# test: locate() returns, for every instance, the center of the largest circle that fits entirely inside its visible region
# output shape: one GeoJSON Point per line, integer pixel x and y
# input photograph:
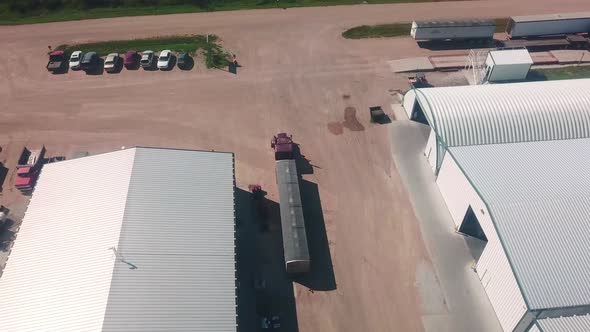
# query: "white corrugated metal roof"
{"type": "Point", "coordinates": [168, 212]}
{"type": "Point", "coordinates": [564, 324]}
{"type": "Point", "coordinates": [550, 17]}
{"type": "Point", "coordinates": [534, 328]}
{"type": "Point", "coordinates": [511, 57]}
{"type": "Point", "coordinates": [538, 194]}
{"type": "Point", "coordinates": [507, 113]}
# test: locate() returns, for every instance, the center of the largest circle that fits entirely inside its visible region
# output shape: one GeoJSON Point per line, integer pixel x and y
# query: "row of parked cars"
{"type": "Point", "coordinates": [114, 62]}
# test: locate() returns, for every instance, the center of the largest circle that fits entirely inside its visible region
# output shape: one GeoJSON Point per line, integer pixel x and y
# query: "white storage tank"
{"type": "Point", "coordinates": [507, 65]}
{"type": "Point", "coordinates": [453, 29]}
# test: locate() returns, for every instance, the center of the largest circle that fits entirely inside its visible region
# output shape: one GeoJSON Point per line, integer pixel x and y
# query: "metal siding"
{"type": "Point", "coordinates": [511, 57]}
{"type": "Point", "coordinates": [453, 32]}
{"type": "Point", "coordinates": [430, 149]}
{"type": "Point", "coordinates": [493, 268]}
{"type": "Point", "coordinates": [549, 17]}
{"type": "Point", "coordinates": [509, 113]}
{"type": "Point", "coordinates": [178, 230]}
{"type": "Point", "coordinates": [565, 324]}
{"type": "Point", "coordinates": [534, 328]}
{"type": "Point", "coordinates": [552, 24]}
{"type": "Point", "coordinates": [59, 271]}
{"type": "Point", "coordinates": [509, 72]}
{"type": "Point", "coordinates": [453, 188]}
{"type": "Point", "coordinates": [292, 223]}
{"type": "Point", "coordinates": [539, 196]}
{"type": "Point", "coordinates": [409, 102]}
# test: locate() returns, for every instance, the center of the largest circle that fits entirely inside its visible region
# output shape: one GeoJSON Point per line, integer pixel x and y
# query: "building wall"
{"type": "Point", "coordinates": [512, 72]}
{"type": "Point", "coordinates": [430, 149]}
{"type": "Point", "coordinates": [493, 268]}
{"type": "Point", "coordinates": [408, 102]}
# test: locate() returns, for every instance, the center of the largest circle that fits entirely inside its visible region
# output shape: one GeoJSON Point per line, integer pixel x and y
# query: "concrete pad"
{"type": "Point", "coordinates": [410, 64]}
{"type": "Point", "coordinates": [543, 58]}
{"type": "Point", "coordinates": [571, 56]}
{"type": "Point", "coordinates": [457, 61]}
{"type": "Point", "coordinates": [452, 297]}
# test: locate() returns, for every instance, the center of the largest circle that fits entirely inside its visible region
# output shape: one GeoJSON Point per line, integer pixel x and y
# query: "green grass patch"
{"type": "Point", "coordinates": [215, 56]}
{"type": "Point", "coordinates": [65, 13]}
{"type": "Point", "coordinates": [396, 30]}
{"type": "Point", "coordinates": [562, 73]}
{"type": "Point", "coordinates": [188, 44]}
{"type": "Point", "coordinates": [378, 31]}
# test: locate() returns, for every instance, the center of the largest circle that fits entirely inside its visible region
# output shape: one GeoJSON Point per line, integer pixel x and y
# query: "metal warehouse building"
{"type": "Point", "coordinates": [512, 166]}
{"type": "Point", "coordinates": [134, 240]}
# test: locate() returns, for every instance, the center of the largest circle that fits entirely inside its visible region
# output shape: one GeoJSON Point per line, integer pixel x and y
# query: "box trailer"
{"type": "Point", "coordinates": [546, 25]}
{"type": "Point", "coordinates": [453, 30]}
{"type": "Point", "coordinates": [292, 223]}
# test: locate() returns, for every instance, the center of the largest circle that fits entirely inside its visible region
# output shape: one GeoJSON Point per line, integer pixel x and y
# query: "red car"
{"type": "Point", "coordinates": [132, 60]}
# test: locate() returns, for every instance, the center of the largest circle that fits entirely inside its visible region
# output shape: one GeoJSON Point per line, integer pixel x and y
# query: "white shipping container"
{"type": "Point", "coordinates": [544, 25]}
{"type": "Point", "coordinates": [508, 65]}
{"type": "Point", "coordinates": [441, 30]}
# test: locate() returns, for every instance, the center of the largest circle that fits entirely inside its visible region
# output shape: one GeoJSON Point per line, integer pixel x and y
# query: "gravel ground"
{"type": "Point", "coordinates": [297, 75]}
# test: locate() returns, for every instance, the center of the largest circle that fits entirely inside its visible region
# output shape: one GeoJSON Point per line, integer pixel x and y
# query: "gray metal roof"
{"type": "Point", "coordinates": [538, 194]}
{"type": "Point", "coordinates": [169, 213]}
{"type": "Point", "coordinates": [178, 229]}
{"type": "Point", "coordinates": [551, 17]}
{"type": "Point", "coordinates": [508, 113]}
{"type": "Point", "coordinates": [454, 23]}
{"type": "Point", "coordinates": [292, 222]}
{"type": "Point", "coordinates": [564, 324]}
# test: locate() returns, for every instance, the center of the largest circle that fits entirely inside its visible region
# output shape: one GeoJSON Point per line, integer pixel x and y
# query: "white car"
{"type": "Point", "coordinates": [147, 59]}
{"type": "Point", "coordinates": [111, 62]}
{"type": "Point", "coordinates": [75, 60]}
{"type": "Point", "coordinates": [164, 59]}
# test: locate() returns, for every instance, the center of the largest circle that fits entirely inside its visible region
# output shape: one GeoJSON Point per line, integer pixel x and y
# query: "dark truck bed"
{"type": "Point", "coordinates": [57, 61]}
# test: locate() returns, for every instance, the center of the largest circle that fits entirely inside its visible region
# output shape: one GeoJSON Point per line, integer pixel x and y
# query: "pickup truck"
{"type": "Point", "coordinates": [57, 62]}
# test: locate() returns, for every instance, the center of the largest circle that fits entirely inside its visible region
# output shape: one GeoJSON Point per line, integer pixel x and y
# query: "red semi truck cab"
{"type": "Point", "coordinates": [28, 168]}
{"type": "Point", "coordinates": [283, 145]}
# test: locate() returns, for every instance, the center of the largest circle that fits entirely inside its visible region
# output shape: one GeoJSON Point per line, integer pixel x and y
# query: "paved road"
{"type": "Point", "coordinates": [298, 75]}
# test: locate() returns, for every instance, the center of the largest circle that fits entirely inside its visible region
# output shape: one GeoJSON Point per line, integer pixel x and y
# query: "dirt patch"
{"type": "Point", "coordinates": [345, 96]}
{"type": "Point", "coordinates": [350, 120]}
{"type": "Point", "coordinates": [336, 128]}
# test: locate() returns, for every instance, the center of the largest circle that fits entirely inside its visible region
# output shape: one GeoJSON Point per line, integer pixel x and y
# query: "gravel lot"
{"type": "Point", "coordinates": [299, 76]}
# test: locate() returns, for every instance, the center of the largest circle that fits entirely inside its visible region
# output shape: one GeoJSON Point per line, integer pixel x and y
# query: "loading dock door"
{"type": "Point", "coordinates": [470, 226]}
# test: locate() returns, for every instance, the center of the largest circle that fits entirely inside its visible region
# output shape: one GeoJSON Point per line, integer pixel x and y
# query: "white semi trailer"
{"type": "Point", "coordinates": [453, 30]}
{"type": "Point", "coordinates": [545, 25]}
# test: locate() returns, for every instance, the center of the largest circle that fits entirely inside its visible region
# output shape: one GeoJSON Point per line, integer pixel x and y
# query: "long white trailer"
{"type": "Point", "coordinates": [545, 25]}
{"type": "Point", "coordinates": [453, 29]}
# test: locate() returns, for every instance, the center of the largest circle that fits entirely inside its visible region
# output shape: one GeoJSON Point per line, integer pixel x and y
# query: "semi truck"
{"type": "Point", "coordinates": [28, 168]}
{"type": "Point", "coordinates": [453, 30]}
{"type": "Point", "coordinates": [548, 25]}
{"type": "Point", "coordinates": [295, 247]}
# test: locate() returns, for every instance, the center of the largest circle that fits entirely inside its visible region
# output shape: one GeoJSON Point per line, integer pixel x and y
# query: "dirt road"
{"type": "Point", "coordinates": [299, 76]}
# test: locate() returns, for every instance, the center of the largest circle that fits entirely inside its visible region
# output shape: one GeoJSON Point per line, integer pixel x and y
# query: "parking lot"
{"type": "Point", "coordinates": [300, 78]}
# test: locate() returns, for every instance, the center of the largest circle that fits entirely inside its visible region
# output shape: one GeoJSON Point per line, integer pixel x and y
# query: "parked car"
{"type": "Point", "coordinates": [57, 62]}
{"type": "Point", "coordinates": [89, 61]}
{"type": "Point", "coordinates": [164, 59]}
{"type": "Point", "coordinates": [147, 59]}
{"type": "Point", "coordinates": [132, 59]}
{"type": "Point", "coordinates": [185, 61]}
{"type": "Point", "coordinates": [112, 62]}
{"type": "Point", "coordinates": [75, 60]}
